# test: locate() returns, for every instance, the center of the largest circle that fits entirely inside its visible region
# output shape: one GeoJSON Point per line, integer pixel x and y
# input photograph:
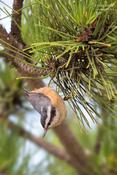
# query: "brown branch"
{"type": "Point", "coordinates": [8, 39]}
{"type": "Point", "coordinates": [68, 139]}
{"type": "Point", "coordinates": [54, 150]}
{"type": "Point", "coordinates": [16, 32]}
{"type": "Point", "coordinates": [17, 57]}
{"type": "Point", "coordinates": [3, 173]}
{"type": "Point", "coordinates": [16, 20]}
{"type": "Point", "coordinates": [76, 151]}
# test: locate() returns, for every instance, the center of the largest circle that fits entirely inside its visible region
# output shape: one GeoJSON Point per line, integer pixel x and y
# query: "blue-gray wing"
{"type": "Point", "coordinates": [39, 101]}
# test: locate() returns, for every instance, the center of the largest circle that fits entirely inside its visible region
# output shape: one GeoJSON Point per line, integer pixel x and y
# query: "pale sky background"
{"type": "Point", "coordinates": [5, 21]}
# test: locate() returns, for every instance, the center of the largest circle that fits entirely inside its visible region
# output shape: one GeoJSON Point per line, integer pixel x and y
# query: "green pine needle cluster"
{"type": "Point", "coordinates": [80, 38]}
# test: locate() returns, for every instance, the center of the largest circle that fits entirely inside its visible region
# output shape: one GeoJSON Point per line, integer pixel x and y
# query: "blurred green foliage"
{"type": "Point", "coordinates": [10, 147]}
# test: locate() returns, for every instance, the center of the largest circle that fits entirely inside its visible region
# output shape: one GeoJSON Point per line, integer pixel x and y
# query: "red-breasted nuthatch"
{"type": "Point", "coordinates": [49, 104]}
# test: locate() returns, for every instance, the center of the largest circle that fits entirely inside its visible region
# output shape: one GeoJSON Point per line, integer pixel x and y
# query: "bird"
{"type": "Point", "coordinates": [49, 104]}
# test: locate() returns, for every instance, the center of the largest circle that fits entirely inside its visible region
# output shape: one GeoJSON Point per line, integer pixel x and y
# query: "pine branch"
{"type": "Point", "coordinates": [16, 20]}
{"type": "Point", "coordinates": [16, 32]}
{"type": "Point", "coordinates": [17, 57]}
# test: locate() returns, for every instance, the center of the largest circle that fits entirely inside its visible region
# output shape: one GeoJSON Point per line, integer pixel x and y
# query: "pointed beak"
{"type": "Point", "coordinates": [45, 131]}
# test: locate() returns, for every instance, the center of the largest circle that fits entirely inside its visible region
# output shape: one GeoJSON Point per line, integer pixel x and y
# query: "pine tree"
{"type": "Point", "coordinates": [74, 43]}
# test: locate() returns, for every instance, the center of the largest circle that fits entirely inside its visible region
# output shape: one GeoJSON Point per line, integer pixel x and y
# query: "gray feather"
{"type": "Point", "coordinates": [38, 101]}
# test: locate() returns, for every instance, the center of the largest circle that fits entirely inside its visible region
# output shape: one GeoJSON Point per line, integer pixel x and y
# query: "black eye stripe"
{"type": "Point", "coordinates": [53, 111]}
{"type": "Point", "coordinates": [53, 114]}
{"type": "Point", "coordinates": [43, 116]}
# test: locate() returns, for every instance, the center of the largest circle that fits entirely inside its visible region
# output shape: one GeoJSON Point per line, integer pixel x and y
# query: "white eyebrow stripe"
{"type": "Point", "coordinates": [48, 115]}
